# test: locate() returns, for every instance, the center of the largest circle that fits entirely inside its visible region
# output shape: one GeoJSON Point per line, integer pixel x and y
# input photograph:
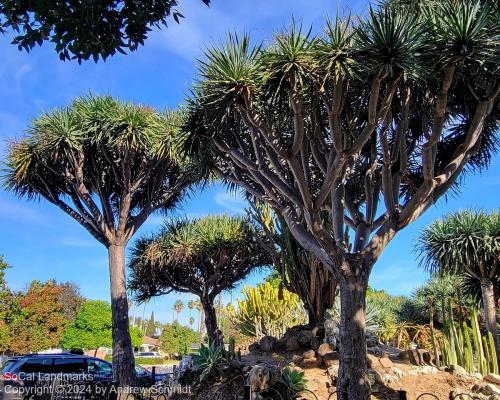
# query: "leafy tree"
{"type": "Point", "coordinates": [71, 299]}
{"type": "Point", "coordinates": [108, 165]}
{"type": "Point", "coordinates": [41, 321]}
{"type": "Point", "coordinates": [176, 339]}
{"type": "Point", "coordinates": [467, 243]}
{"type": "Point", "coordinates": [84, 29]}
{"type": "Point", "coordinates": [362, 128]}
{"type": "Point", "coordinates": [151, 327]}
{"type": "Point", "coordinates": [300, 271]}
{"type": "Point", "coordinates": [203, 257]}
{"type": "Point", "coordinates": [92, 328]}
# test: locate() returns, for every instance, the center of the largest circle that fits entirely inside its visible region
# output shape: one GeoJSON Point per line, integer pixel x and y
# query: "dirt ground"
{"type": "Point", "coordinates": [438, 383]}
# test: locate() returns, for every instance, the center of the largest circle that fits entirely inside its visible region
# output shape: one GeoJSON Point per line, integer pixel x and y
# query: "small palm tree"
{"type": "Point", "coordinates": [467, 243]}
{"type": "Point", "coordinates": [178, 307]}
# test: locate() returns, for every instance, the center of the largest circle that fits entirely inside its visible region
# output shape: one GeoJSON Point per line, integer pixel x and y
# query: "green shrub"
{"type": "Point", "coordinates": [176, 339]}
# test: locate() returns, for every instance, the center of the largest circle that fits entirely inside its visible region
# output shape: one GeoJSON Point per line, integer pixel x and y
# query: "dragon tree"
{"type": "Point", "coordinates": [202, 257]}
{"type": "Point", "coordinates": [108, 165]}
{"type": "Point", "coordinates": [363, 127]}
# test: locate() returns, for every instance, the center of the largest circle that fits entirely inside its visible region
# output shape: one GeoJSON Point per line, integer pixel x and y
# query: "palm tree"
{"type": "Point", "coordinates": [202, 257]}
{"type": "Point", "coordinates": [178, 307]}
{"type": "Point", "coordinates": [108, 165]}
{"type": "Point", "coordinates": [467, 243]}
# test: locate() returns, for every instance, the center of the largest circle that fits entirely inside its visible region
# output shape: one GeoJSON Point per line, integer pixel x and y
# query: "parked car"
{"type": "Point", "coordinates": [148, 354]}
{"type": "Point", "coordinates": [28, 370]}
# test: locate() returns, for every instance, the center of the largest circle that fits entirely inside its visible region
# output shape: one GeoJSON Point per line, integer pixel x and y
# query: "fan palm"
{"type": "Point", "coordinates": [178, 307]}
{"type": "Point", "coordinates": [203, 257]}
{"type": "Point", "coordinates": [467, 243]}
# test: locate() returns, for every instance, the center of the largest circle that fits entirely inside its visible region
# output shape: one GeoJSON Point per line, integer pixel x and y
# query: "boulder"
{"type": "Point", "coordinates": [292, 344]}
{"type": "Point", "coordinates": [309, 354]}
{"type": "Point", "coordinates": [333, 372]}
{"type": "Point", "coordinates": [254, 347]}
{"type": "Point", "coordinates": [310, 363]}
{"type": "Point", "coordinates": [492, 378]}
{"type": "Point", "coordinates": [330, 358]}
{"type": "Point", "coordinates": [488, 389]}
{"type": "Point", "coordinates": [456, 369]}
{"type": "Point", "coordinates": [386, 362]}
{"type": "Point", "coordinates": [296, 358]}
{"type": "Point", "coordinates": [304, 337]}
{"type": "Point", "coordinates": [325, 348]}
{"type": "Point", "coordinates": [372, 361]}
{"type": "Point", "coordinates": [315, 343]}
{"type": "Point", "coordinates": [267, 343]}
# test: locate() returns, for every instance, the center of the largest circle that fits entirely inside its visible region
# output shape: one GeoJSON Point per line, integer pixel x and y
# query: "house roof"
{"type": "Point", "coordinates": [149, 340]}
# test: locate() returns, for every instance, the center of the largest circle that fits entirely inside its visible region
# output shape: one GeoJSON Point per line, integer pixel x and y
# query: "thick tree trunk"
{"type": "Point", "coordinates": [211, 322]}
{"type": "Point", "coordinates": [353, 383]}
{"type": "Point", "coordinates": [490, 313]}
{"type": "Point", "coordinates": [123, 357]}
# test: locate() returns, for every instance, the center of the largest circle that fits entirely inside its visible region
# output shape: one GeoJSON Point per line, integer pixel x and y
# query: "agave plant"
{"type": "Point", "coordinates": [294, 380]}
{"type": "Point", "coordinates": [209, 360]}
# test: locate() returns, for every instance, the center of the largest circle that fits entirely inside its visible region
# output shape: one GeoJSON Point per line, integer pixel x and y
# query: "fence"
{"type": "Point", "coordinates": [235, 389]}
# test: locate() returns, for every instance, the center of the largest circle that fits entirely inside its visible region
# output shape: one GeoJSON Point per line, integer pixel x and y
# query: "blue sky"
{"type": "Point", "coordinates": [42, 243]}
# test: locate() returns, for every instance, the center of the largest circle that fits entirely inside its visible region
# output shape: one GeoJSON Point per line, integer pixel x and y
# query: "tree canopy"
{"type": "Point", "coordinates": [92, 327]}
{"type": "Point", "coordinates": [177, 339]}
{"type": "Point", "coordinates": [359, 129]}
{"type": "Point", "coordinates": [85, 29]}
{"type": "Point", "coordinates": [203, 256]}
{"type": "Point", "coordinates": [467, 243]}
{"type": "Point", "coordinates": [109, 165]}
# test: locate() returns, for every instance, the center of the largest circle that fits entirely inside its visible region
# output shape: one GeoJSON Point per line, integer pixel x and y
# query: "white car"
{"type": "Point", "coordinates": [148, 354]}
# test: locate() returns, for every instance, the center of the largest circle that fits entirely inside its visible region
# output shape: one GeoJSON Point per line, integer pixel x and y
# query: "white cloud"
{"type": "Point", "coordinates": [231, 202]}
{"type": "Point", "coordinates": [19, 212]}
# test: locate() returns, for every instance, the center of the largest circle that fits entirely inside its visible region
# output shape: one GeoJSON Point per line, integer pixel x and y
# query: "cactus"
{"type": "Point", "coordinates": [464, 345]}
{"type": "Point", "coordinates": [264, 311]}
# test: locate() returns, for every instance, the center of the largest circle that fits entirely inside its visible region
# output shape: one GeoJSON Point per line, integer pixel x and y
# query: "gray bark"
{"type": "Point", "coordinates": [489, 309]}
{"type": "Point", "coordinates": [123, 357]}
{"type": "Point", "coordinates": [353, 382]}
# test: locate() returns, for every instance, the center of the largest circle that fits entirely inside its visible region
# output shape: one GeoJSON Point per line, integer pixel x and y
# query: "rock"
{"type": "Point", "coordinates": [309, 354]}
{"type": "Point", "coordinates": [292, 344]}
{"type": "Point", "coordinates": [310, 362]}
{"type": "Point", "coordinates": [372, 361]}
{"type": "Point", "coordinates": [492, 378]}
{"type": "Point", "coordinates": [315, 331]}
{"type": "Point", "coordinates": [488, 389]}
{"type": "Point", "coordinates": [296, 358]}
{"type": "Point", "coordinates": [477, 375]}
{"type": "Point", "coordinates": [418, 357]}
{"type": "Point", "coordinates": [315, 343]}
{"type": "Point", "coordinates": [313, 386]}
{"type": "Point", "coordinates": [456, 369]}
{"type": "Point", "coordinates": [326, 348]}
{"type": "Point", "coordinates": [330, 358]}
{"type": "Point", "coordinates": [333, 372]}
{"type": "Point", "coordinates": [267, 343]}
{"type": "Point", "coordinates": [398, 372]}
{"type": "Point", "coordinates": [304, 337]}
{"type": "Point", "coordinates": [386, 362]}
{"type": "Point", "coordinates": [372, 340]}
{"type": "Point", "coordinates": [375, 376]}
{"type": "Point", "coordinates": [254, 347]}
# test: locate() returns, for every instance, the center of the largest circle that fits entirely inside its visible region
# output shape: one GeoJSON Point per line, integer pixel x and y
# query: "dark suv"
{"type": "Point", "coordinates": [29, 370]}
